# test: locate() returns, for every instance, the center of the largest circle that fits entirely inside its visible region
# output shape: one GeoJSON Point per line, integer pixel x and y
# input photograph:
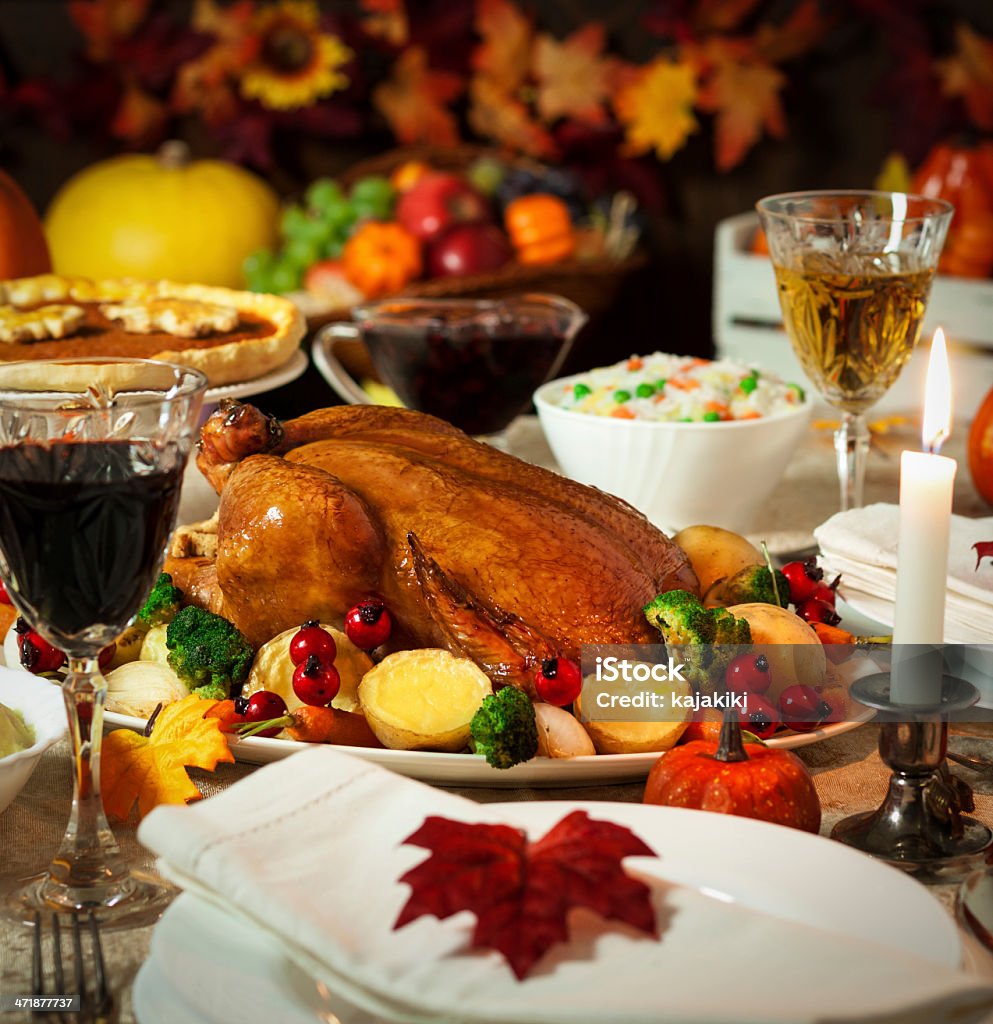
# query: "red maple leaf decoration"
{"type": "Point", "coordinates": [983, 549]}
{"type": "Point", "coordinates": [521, 892]}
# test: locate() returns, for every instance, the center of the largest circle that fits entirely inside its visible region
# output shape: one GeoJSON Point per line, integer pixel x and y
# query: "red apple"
{"type": "Point", "coordinates": [468, 249]}
{"type": "Point", "coordinates": [439, 201]}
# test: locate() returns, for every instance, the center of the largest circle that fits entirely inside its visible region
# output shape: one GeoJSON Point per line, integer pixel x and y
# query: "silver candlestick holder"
{"type": "Point", "coordinates": [921, 826]}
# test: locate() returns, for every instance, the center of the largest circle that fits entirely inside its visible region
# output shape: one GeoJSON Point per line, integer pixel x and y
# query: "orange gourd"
{"type": "Point", "coordinates": [23, 248]}
{"type": "Point", "coordinates": [380, 258]}
{"type": "Point", "coordinates": [731, 777]}
{"type": "Point", "coordinates": [540, 228]}
{"type": "Point", "coordinates": [962, 173]}
{"type": "Point", "coordinates": [981, 449]}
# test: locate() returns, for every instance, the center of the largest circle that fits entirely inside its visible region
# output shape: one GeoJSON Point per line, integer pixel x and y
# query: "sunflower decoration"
{"type": "Point", "coordinates": [295, 63]}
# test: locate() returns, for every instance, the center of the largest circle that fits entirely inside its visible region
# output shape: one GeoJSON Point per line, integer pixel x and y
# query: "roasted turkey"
{"type": "Point", "coordinates": [471, 549]}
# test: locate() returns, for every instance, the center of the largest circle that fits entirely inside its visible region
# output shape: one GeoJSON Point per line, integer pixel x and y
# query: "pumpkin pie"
{"type": "Point", "coordinates": [230, 336]}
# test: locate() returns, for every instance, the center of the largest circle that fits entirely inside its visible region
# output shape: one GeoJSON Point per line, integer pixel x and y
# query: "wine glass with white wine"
{"type": "Point", "coordinates": [854, 272]}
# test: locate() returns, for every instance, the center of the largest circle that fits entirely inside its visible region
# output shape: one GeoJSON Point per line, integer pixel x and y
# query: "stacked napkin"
{"type": "Point", "coordinates": [861, 544]}
{"type": "Point", "coordinates": [309, 850]}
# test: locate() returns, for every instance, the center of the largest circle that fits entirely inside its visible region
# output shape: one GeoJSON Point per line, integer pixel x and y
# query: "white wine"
{"type": "Point", "coordinates": [853, 333]}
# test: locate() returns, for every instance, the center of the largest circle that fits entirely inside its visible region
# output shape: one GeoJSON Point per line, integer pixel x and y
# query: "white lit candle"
{"type": "Point", "coordinates": [926, 483]}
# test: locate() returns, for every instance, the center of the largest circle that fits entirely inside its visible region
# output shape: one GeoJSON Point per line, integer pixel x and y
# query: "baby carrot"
{"type": "Point", "coordinates": [329, 725]}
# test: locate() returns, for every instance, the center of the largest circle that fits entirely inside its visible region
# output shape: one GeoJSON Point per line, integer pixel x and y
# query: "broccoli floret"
{"type": "Point", "coordinates": [212, 691]}
{"type": "Point", "coordinates": [504, 730]}
{"type": "Point", "coordinates": [708, 638]}
{"type": "Point", "coordinates": [206, 648]}
{"type": "Point", "coordinates": [754, 583]}
{"type": "Point", "coordinates": [163, 603]}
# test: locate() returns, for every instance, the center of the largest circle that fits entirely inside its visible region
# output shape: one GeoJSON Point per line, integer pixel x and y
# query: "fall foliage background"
{"type": "Point", "coordinates": [698, 107]}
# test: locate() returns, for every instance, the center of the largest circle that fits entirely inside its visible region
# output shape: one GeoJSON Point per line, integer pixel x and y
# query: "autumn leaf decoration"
{"type": "Point", "coordinates": [151, 770]}
{"type": "Point", "coordinates": [521, 892]}
{"type": "Point", "coordinates": [983, 549]}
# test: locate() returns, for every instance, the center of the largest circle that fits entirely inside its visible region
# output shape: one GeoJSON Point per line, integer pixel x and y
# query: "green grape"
{"type": "Point", "coordinates": [339, 216]}
{"type": "Point", "coordinates": [332, 249]}
{"type": "Point", "coordinates": [257, 267]}
{"type": "Point", "coordinates": [323, 193]}
{"type": "Point", "coordinates": [365, 210]}
{"type": "Point", "coordinates": [294, 222]}
{"type": "Point", "coordinates": [301, 252]}
{"type": "Point", "coordinates": [285, 277]}
{"type": "Point", "coordinates": [374, 190]}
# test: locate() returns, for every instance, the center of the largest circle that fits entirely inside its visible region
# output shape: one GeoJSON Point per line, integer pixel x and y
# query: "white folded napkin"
{"type": "Point", "coordinates": [861, 544]}
{"type": "Point", "coordinates": [308, 849]}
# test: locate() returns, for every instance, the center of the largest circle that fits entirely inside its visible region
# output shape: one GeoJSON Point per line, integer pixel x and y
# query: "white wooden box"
{"type": "Point", "coordinates": [748, 324]}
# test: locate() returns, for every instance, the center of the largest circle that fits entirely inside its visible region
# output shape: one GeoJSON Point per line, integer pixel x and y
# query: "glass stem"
{"type": "Point", "coordinates": [851, 445]}
{"type": "Point", "coordinates": [88, 869]}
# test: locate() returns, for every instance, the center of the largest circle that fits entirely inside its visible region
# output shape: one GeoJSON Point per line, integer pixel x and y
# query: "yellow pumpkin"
{"type": "Point", "coordinates": [161, 216]}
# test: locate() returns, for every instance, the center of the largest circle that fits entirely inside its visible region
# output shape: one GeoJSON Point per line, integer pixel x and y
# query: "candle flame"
{"type": "Point", "coordinates": [937, 397]}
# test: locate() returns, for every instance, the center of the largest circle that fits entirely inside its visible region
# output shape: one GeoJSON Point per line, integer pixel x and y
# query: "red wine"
{"type": "Point", "coordinates": [477, 377]}
{"type": "Point", "coordinates": [83, 528]}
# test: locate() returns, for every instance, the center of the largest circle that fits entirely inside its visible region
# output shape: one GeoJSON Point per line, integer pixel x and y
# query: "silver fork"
{"type": "Point", "coordinates": [96, 1002]}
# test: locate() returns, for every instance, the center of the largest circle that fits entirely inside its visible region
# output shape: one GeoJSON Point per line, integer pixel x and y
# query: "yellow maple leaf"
{"type": "Point", "coordinates": [968, 74]}
{"type": "Point", "coordinates": [413, 100]}
{"type": "Point", "coordinates": [504, 55]}
{"type": "Point", "coordinates": [656, 107]}
{"type": "Point", "coordinates": [573, 77]}
{"type": "Point", "coordinates": [743, 91]}
{"type": "Point", "coordinates": [152, 769]}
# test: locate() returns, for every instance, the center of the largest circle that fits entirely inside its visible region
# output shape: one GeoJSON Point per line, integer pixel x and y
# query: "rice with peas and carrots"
{"type": "Point", "coordinates": [679, 389]}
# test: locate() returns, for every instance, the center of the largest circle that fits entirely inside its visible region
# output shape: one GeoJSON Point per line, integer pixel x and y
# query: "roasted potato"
{"type": "Point", "coordinates": [639, 737]}
{"type": "Point", "coordinates": [423, 700]}
{"type": "Point", "coordinates": [716, 553]}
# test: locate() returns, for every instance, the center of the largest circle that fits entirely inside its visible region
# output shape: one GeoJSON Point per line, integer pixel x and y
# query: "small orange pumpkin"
{"type": "Point", "coordinates": [23, 248]}
{"type": "Point", "coordinates": [381, 257]}
{"type": "Point", "coordinates": [731, 777]}
{"type": "Point", "coordinates": [981, 449]}
{"type": "Point", "coordinates": [540, 228]}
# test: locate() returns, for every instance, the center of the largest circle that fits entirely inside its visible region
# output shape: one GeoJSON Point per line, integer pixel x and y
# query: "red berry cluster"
{"type": "Point", "coordinates": [315, 679]}
{"type": "Point", "coordinates": [800, 707]}
{"type": "Point", "coordinates": [313, 651]}
{"type": "Point", "coordinates": [813, 598]}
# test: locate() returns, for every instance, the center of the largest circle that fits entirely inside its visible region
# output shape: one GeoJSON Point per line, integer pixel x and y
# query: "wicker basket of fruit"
{"type": "Point", "coordinates": [448, 223]}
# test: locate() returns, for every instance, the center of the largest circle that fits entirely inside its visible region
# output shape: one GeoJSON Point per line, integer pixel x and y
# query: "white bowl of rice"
{"type": "Point", "coordinates": [684, 440]}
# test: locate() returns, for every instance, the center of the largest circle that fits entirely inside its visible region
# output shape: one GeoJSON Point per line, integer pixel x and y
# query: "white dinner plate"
{"type": "Point", "coordinates": [470, 770]}
{"type": "Point", "coordinates": [205, 969]}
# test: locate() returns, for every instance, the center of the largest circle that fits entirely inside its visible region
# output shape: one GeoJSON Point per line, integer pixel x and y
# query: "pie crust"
{"type": "Point", "coordinates": [268, 332]}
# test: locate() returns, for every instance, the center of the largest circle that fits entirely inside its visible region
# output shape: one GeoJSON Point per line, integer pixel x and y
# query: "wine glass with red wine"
{"type": "Point", "coordinates": [473, 362]}
{"type": "Point", "coordinates": [92, 453]}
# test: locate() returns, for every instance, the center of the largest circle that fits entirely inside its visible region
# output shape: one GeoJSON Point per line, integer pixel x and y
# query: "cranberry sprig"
{"type": "Point", "coordinates": [814, 599]}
